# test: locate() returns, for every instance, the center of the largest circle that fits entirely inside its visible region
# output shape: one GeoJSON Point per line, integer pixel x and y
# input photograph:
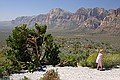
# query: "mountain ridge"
{"type": "Point", "coordinates": [83, 20]}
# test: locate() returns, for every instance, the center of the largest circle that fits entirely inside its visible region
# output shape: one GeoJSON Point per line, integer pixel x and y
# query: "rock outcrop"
{"type": "Point", "coordinates": [111, 23]}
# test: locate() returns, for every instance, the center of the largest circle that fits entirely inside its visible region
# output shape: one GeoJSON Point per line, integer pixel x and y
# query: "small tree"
{"type": "Point", "coordinates": [29, 47]}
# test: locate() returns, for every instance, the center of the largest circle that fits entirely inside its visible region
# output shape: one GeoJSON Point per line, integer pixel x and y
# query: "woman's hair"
{"type": "Point", "coordinates": [101, 50]}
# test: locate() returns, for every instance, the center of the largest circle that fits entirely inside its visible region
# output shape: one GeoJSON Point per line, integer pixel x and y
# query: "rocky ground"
{"type": "Point", "coordinates": [73, 73]}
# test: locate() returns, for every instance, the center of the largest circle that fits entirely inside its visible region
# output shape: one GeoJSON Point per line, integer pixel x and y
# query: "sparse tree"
{"type": "Point", "coordinates": [29, 47]}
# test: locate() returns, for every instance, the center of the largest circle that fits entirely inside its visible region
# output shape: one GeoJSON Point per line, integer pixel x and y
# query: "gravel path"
{"type": "Point", "coordinates": [73, 73]}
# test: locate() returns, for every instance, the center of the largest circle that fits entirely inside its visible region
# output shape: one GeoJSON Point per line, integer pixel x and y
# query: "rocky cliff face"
{"type": "Point", "coordinates": [89, 18]}
{"type": "Point", "coordinates": [84, 19]}
{"type": "Point", "coordinates": [57, 18]}
{"type": "Point", "coordinates": [111, 23]}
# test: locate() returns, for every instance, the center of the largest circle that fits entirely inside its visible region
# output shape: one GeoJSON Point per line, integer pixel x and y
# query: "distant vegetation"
{"type": "Point", "coordinates": [84, 52]}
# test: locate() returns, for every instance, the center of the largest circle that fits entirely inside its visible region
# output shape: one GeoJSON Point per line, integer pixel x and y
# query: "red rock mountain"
{"type": "Point", "coordinates": [111, 23]}
{"type": "Point", "coordinates": [84, 19]}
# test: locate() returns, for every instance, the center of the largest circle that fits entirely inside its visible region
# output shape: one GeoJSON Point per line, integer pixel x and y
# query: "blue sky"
{"type": "Point", "coordinates": [10, 9]}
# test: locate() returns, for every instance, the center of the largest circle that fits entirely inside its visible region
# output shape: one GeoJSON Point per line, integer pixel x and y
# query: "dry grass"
{"type": "Point", "coordinates": [51, 75]}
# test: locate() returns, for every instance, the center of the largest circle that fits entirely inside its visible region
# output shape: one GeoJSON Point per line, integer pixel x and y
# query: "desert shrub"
{"type": "Point", "coordinates": [4, 75]}
{"type": "Point", "coordinates": [107, 61]}
{"type": "Point", "coordinates": [111, 60]}
{"type": "Point", "coordinates": [68, 59]}
{"type": "Point", "coordinates": [51, 75]}
{"type": "Point", "coordinates": [5, 64]}
{"type": "Point", "coordinates": [91, 60]}
{"type": "Point", "coordinates": [83, 63]}
{"type": "Point", "coordinates": [116, 59]}
{"type": "Point", "coordinates": [2, 60]}
{"type": "Point", "coordinates": [82, 57]}
{"type": "Point", "coordinates": [0, 72]}
{"type": "Point", "coordinates": [5, 78]}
